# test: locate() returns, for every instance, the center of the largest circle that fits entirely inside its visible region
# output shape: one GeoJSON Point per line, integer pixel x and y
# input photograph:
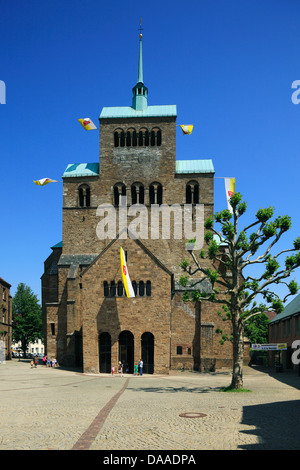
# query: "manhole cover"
{"type": "Point", "coordinates": [192, 415]}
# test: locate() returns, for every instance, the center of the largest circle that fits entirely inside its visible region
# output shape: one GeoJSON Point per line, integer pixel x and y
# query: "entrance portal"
{"type": "Point", "coordinates": [126, 351]}
{"type": "Point", "coordinates": [105, 352]}
{"type": "Point", "coordinates": [148, 352]}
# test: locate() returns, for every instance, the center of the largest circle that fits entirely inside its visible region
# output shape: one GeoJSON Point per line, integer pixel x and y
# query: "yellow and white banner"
{"type": "Point", "coordinates": [125, 276]}
{"type": "Point", "coordinates": [187, 129]}
{"type": "Point", "coordinates": [87, 124]}
{"type": "Point", "coordinates": [269, 347]}
{"type": "Point", "coordinates": [230, 190]}
{"type": "Point", "coordinates": [44, 181]}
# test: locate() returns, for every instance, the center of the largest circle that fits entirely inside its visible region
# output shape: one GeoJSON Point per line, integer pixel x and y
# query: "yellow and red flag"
{"type": "Point", "coordinates": [187, 129]}
{"type": "Point", "coordinates": [87, 124]}
{"type": "Point", "coordinates": [125, 276]}
{"type": "Point", "coordinates": [44, 181]}
{"type": "Point", "coordinates": [230, 190]}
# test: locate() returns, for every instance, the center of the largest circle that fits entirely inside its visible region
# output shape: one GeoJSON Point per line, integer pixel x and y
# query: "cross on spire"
{"type": "Point", "coordinates": [141, 29]}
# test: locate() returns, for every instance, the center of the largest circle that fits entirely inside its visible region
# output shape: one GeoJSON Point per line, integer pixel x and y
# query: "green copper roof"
{"type": "Point", "coordinates": [129, 112]}
{"type": "Point", "coordinates": [194, 166]}
{"type": "Point", "coordinates": [58, 245]}
{"type": "Point", "coordinates": [75, 170]}
{"type": "Point", "coordinates": [292, 308]}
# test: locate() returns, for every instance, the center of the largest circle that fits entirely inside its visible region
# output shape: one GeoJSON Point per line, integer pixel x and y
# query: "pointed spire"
{"type": "Point", "coordinates": [140, 92]}
{"type": "Point", "coordinates": [140, 73]}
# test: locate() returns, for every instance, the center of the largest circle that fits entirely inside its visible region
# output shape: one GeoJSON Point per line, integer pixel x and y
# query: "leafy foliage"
{"type": "Point", "coordinates": [27, 316]}
{"type": "Point", "coordinates": [256, 329]}
{"type": "Point", "coordinates": [234, 252]}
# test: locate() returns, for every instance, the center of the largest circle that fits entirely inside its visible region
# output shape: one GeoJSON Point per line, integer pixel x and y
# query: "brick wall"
{"type": "Point", "coordinates": [6, 317]}
{"type": "Point", "coordinates": [116, 314]}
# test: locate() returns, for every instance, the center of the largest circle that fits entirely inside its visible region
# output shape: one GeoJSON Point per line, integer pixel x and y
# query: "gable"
{"type": "Point", "coordinates": [131, 244]}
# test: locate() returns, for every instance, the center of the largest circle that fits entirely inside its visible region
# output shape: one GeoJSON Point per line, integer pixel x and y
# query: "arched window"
{"type": "Point", "coordinates": [84, 196]}
{"type": "Point", "coordinates": [134, 286]}
{"type": "Point", "coordinates": [126, 350]}
{"type": "Point", "coordinates": [158, 137]}
{"type": "Point", "coordinates": [117, 137]}
{"type": "Point", "coordinates": [155, 137]}
{"type": "Point", "coordinates": [81, 198]}
{"type": "Point", "coordinates": [196, 194]}
{"type": "Point", "coordinates": [188, 194]}
{"type": "Point", "coordinates": [143, 137]}
{"type": "Point", "coordinates": [134, 139]}
{"type": "Point", "coordinates": [122, 139]}
{"type": "Point", "coordinates": [120, 289]}
{"type": "Point", "coordinates": [128, 139]}
{"type": "Point", "coordinates": [156, 193]}
{"type": "Point", "coordinates": [137, 193]}
{"type": "Point", "coordinates": [141, 288]}
{"type": "Point", "coordinates": [152, 138]}
{"type": "Point", "coordinates": [106, 289]}
{"type": "Point", "coordinates": [141, 140]}
{"type": "Point", "coordinates": [148, 288]}
{"type": "Point", "coordinates": [119, 190]}
{"type": "Point", "coordinates": [112, 289]}
{"type": "Point", "coordinates": [147, 347]}
{"type": "Point", "coordinates": [192, 192]}
{"type": "Point", "coordinates": [105, 352]}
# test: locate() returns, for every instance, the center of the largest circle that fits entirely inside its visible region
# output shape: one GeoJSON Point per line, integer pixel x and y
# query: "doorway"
{"type": "Point", "coordinates": [105, 352]}
{"type": "Point", "coordinates": [148, 352]}
{"type": "Point", "coordinates": [126, 351]}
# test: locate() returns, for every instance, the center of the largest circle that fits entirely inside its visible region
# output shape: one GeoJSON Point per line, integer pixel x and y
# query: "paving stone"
{"type": "Point", "coordinates": [57, 409]}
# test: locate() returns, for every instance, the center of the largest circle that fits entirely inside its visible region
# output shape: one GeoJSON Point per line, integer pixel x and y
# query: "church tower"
{"type": "Point", "coordinates": [138, 147]}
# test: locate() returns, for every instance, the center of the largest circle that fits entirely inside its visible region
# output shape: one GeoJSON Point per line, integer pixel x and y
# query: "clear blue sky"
{"type": "Point", "coordinates": [228, 65]}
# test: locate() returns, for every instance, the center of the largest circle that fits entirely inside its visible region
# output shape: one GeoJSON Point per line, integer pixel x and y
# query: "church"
{"type": "Point", "coordinates": [89, 322]}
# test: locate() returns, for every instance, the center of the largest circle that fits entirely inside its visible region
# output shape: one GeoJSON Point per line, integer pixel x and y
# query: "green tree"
{"type": "Point", "coordinates": [232, 256]}
{"type": "Point", "coordinates": [257, 329]}
{"type": "Point", "coordinates": [26, 316]}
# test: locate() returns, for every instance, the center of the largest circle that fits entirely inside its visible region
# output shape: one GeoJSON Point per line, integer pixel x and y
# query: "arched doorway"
{"type": "Point", "coordinates": [105, 352]}
{"type": "Point", "coordinates": [126, 351]}
{"type": "Point", "coordinates": [148, 352]}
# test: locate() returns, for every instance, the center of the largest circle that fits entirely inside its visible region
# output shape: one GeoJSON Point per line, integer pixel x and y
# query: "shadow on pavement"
{"type": "Point", "coordinates": [168, 389]}
{"type": "Point", "coordinates": [287, 376]}
{"type": "Point", "coordinates": [277, 425]}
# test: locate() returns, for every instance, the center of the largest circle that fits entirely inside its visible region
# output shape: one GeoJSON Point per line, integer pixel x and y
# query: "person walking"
{"type": "Point", "coordinates": [136, 370]}
{"type": "Point", "coordinates": [120, 369]}
{"type": "Point", "coordinates": [141, 367]}
{"type": "Point", "coordinates": [112, 371]}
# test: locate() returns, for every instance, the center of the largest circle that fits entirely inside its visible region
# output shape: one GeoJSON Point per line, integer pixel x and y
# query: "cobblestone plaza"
{"type": "Point", "coordinates": [55, 409]}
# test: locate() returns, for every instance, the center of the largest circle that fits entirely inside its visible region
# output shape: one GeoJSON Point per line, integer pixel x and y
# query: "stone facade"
{"type": "Point", "coordinates": [88, 320]}
{"type": "Point", "coordinates": [5, 320]}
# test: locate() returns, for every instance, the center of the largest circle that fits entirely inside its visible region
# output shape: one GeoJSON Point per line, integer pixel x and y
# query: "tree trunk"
{"type": "Point", "coordinates": [238, 355]}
